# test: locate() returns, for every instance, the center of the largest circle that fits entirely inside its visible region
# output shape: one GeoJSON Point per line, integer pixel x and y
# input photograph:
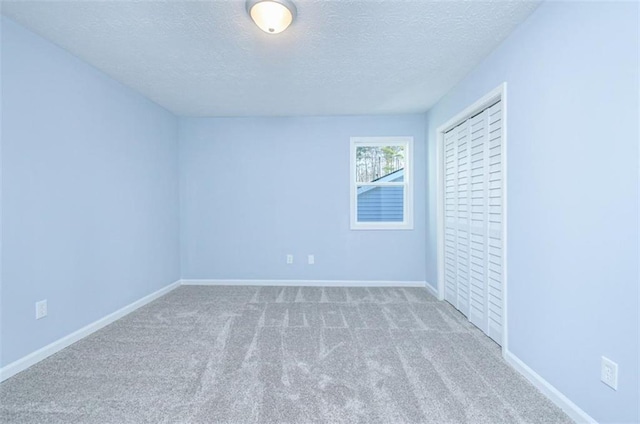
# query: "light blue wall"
{"type": "Point", "coordinates": [90, 190]}
{"type": "Point", "coordinates": [255, 189]}
{"type": "Point", "coordinates": [572, 74]}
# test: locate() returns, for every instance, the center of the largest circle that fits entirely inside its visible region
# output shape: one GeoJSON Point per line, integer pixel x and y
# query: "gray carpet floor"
{"type": "Point", "coordinates": [280, 355]}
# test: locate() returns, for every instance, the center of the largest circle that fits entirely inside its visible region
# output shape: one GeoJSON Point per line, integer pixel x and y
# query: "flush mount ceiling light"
{"type": "Point", "coordinates": [272, 16]}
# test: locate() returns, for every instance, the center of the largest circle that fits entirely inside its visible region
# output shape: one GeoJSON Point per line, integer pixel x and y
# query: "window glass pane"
{"type": "Point", "coordinates": [379, 163]}
{"type": "Point", "coordinates": [380, 203]}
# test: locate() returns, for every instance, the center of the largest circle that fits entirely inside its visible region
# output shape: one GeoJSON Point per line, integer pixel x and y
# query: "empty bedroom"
{"type": "Point", "coordinates": [319, 211]}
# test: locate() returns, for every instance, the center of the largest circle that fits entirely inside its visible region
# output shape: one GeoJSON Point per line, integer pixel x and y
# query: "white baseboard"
{"type": "Point", "coordinates": [306, 283]}
{"type": "Point", "coordinates": [570, 408]}
{"type": "Point", "coordinates": [431, 289]}
{"type": "Point", "coordinates": [33, 358]}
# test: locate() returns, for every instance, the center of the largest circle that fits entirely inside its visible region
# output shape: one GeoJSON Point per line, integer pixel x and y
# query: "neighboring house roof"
{"type": "Point", "coordinates": [391, 177]}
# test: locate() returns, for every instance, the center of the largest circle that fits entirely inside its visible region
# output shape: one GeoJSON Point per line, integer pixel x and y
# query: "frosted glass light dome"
{"type": "Point", "coordinates": [271, 16]}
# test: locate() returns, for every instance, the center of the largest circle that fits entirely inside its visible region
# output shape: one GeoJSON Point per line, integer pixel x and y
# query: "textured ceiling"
{"type": "Point", "coordinates": [207, 58]}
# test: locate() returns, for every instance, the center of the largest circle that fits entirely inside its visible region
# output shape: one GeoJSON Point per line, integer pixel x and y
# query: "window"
{"type": "Point", "coordinates": [381, 183]}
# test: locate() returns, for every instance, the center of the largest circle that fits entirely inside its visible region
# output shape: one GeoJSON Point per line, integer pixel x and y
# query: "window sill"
{"type": "Point", "coordinates": [381, 226]}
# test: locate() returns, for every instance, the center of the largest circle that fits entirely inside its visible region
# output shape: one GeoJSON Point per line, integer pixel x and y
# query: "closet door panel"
{"type": "Point", "coordinates": [462, 215]}
{"type": "Point", "coordinates": [494, 224]}
{"type": "Point", "coordinates": [450, 207]}
{"type": "Point", "coordinates": [478, 229]}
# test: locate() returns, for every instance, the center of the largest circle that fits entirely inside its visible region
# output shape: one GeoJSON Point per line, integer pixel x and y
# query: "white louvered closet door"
{"type": "Point", "coordinates": [473, 257]}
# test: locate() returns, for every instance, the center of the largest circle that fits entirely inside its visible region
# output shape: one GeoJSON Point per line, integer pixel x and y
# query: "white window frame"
{"type": "Point", "coordinates": [407, 222]}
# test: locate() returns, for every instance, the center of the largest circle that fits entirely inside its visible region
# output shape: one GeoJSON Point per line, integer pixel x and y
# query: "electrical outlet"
{"type": "Point", "coordinates": [41, 309]}
{"type": "Point", "coordinates": [609, 373]}
{"type": "Point", "coordinates": [311, 259]}
{"type": "Point", "coordinates": [289, 259]}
